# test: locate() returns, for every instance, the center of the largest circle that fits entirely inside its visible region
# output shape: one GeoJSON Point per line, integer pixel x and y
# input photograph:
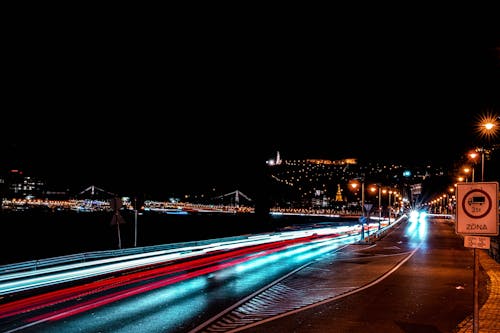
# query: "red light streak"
{"type": "Point", "coordinates": [51, 298]}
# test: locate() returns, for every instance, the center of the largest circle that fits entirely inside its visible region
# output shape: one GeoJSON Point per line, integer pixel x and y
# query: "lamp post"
{"type": "Point", "coordinates": [451, 201]}
{"type": "Point", "coordinates": [488, 129]}
{"type": "Point", "coordinates": [446, 206]}
{"type": "Point", "coordinates": [379, 205]}
{"type": "Point", "coordinates": [473, 156]}
{"type": "Point", "coordinates": [135, 222]}
{"type": "Point", "coordinates": [354, 185]}
{"type": "Point", "coordinates": [373, 189]}
{"type": "Point", "coordinates": [467, 170]}
{"type": "Point", "coordinates": [481, 151]}
{"type": "Point", "coordinates": [482, 164]}
{"type": "Point", "coordinates": [389, 206]}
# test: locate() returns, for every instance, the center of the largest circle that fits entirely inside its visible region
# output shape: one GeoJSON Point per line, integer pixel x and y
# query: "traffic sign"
{"type": "Point", "coordinates": [477, 242]}
{"type": "Point", "coordinates": [477, 209]}
{"type": "Point", "coordinates": [116, 203]}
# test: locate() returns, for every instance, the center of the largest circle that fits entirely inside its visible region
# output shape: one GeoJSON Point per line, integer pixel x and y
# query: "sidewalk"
{"type": "Point", "coordinates": [489, 313]}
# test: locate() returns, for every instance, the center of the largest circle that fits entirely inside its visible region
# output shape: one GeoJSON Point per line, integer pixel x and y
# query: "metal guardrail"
{"type": "Point", "coordinates": [32, 265]}
{"type": "Point", "coordinates": [383, 231]}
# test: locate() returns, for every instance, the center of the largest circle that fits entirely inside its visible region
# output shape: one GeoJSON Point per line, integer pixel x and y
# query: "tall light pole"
{"type": "Point", "coordinates": [354, 184]}
{"type": "Point", "coordinates": [379, 205]}
{"type": "Point", "coordinates": [473, 156]}
{"type": "Point", "coordinates": [467, 170]}
{"type": "Point", "coordinates": [481, 151]}
{"type": "Point", "coordinates": [445, 197]}
{"type": "Point", "coordinates": [389, 206]}
{"type": "Point", "coordinates": [487, 127]}
{"type": "Point", "coordinates": [451, 202]}
{"type": "Point", "coordinates": [379, 202]}
{"type": "Point", "coordinates": [482, 164]}
{"type": "Point", "coordinates": [135, 222]}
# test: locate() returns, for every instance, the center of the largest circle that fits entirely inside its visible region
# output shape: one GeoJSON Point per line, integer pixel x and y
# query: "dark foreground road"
{"type": "Point", "coordinates": [419, 278]}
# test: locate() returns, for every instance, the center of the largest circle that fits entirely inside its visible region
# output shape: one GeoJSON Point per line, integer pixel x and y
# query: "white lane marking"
{"type": "Point", "coordinates": [374, 282]}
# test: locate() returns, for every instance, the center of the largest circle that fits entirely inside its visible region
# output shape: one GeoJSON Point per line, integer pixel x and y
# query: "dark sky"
{"type": "Point", "coordinates": [206, 108]}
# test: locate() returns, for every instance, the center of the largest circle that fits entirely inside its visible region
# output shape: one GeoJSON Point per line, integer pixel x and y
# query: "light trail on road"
{"type": "Point", "coordinates": [89, 285]}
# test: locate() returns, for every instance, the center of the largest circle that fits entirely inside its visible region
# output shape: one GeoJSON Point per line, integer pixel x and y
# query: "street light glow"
{"type": "Point", "coordinates": [473, 156]}
{"type": "Point", "coordinates": [487, 126]}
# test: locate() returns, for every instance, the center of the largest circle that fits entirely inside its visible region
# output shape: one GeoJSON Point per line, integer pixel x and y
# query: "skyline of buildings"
{"type": "Point", "coordinates": [308, 182]}
{"type": "Point", "coordinates": [297, 183]}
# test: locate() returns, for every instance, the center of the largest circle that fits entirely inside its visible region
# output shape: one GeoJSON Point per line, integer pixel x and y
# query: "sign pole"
{"type": "Point", "coordinates": [116, 204]}
{"type": "Point", "coordinates": [118, 231]}
{"type": "Point", "coordinates": [475, 317]}
{"type": "Point", "coordinates": [477, 216]}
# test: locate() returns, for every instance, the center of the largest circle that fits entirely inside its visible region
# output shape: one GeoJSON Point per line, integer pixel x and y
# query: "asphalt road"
{"type": "Point", "coordinates": [419, 278]}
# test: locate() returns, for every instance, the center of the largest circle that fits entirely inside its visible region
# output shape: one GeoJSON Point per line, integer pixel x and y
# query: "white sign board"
{"type": "Point", "coordinates": [478, 242]}
{"type": "Point", "coordinates": [477, 209]}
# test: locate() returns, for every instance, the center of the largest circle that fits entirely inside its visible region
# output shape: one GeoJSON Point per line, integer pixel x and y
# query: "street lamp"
{"type": "Point", "coordinates": [451, 202]}
{"type": "Point", "coordinates": [444, 203]}
{"type": "Point", "coordinates": [467, 170]}
{"type": "Point", "coordinates": [389, 206]}
{"type": "Point", "coordinates": [354, 185]}
{"type": "Point", "coordinates": [481, 150]}
{"type": "Point", "coordinates": [373, 189]}
{"type": "Point", "coordinates": [379, 205]}
{"type": "Point", "coordinates": [389, 192]}
{"type": "Point", "coordinates": [135, 222]}
{"type": "Point", "coordinates": [473, 157]}
{"type": "Point", "coordinates": [487, 128]}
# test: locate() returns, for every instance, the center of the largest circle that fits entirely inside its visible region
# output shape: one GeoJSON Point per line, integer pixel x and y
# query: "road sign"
{"type": "Point", "coordinates": [116, 203]}
{"type": "Point", "coordinates": [117, 219]}
{"type": "Point", "coordinates": [477, 209]}
{"type": "Point", "coordinates": [477, 242]}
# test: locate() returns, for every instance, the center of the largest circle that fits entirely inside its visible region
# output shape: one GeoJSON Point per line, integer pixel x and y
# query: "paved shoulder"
{"type": "Point", "coordinates": [489, 313]}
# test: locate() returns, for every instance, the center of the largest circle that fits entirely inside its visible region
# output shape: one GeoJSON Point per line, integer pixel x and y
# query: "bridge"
{"type": "Point", "coordinates": [96, 191]}
{"type": "Point", "coordinates": [234, 198]}
{"type": "Point", "coordinates": [231, 202]}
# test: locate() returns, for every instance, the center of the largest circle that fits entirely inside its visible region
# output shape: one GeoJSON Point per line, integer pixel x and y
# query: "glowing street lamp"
{"type": "Point", "coordinates": [373, 188]}
{"type": "Point", "coordinates": [389, 192]}
{"type": "Point", "coordinates": [467, 170]}
{"type": "Point", "coordinates": [354, 185]}
{"type": "Point", "coordinates": [487, 128]}
{"type": "Point", "coordinates": [473, 156]}
{"type": "Point", "coordinates": [451, 202]}
{"type": "Point", "coordinates": [389, 206]}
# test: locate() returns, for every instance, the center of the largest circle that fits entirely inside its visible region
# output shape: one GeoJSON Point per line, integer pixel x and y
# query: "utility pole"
{"type": "Point", "coordinates": [135, 222]}
{"type": "Point", "coordinates": [116, 204]}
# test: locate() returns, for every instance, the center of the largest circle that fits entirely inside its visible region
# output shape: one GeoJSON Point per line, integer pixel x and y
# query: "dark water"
{"type": "Point", "coordinates": [31, 235]}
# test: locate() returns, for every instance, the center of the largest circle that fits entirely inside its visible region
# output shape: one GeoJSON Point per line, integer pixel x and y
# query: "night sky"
{"type": "Point", "coordinates": [205, 109]}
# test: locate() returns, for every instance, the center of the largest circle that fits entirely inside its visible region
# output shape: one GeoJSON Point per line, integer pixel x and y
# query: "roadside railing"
{"type": "Point", "coordinates": [32, 265]}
